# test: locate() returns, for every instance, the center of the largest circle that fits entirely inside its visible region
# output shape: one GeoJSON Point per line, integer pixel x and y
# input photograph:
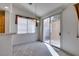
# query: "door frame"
{"type": "Point", "coordinates": [49, 27]}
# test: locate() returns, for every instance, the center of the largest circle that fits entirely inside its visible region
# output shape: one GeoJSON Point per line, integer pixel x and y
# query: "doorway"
{"type": "Point", "coordinates": [2, 21]}
{"type": "Point", "coordinates": [51, 30]}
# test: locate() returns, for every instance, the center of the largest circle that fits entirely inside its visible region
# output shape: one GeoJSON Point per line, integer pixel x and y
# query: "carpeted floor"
{"type": "Point", "coordinates": [61, 52]}
{"type": "Point", "coordinates": [32, 49]}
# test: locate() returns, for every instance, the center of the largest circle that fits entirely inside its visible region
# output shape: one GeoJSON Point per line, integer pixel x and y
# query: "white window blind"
{"type": "Point", "coordinates": [25, 25]}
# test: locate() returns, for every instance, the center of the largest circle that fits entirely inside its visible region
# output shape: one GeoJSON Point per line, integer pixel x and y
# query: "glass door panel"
{"type": "Point", "coordinates": [55, 30]}
{"type": "Point", "coordinates": [46, 30]}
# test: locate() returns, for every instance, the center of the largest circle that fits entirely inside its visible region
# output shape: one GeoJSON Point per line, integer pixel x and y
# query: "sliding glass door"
{"type": "Point", "coordinates": [51, 30]}
{"type": "Point", "coordinates": [46, 30]}
{"type": "Point", "coordinates": [55, 30]}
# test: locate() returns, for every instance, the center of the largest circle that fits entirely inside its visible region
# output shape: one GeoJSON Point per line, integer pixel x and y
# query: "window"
{"type": "Point", "coordinates": [31, 26]}
{"type": "Point", "coordinates": [25, 25]}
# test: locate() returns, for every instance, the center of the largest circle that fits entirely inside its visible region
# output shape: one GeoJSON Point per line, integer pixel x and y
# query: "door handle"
{"type": "Point", "coordinates": [77, 36]}
{"type": "Point", "coordinates": [59, 34]}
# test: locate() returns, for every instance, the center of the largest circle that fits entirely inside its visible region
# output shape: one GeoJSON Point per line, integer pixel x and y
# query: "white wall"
{"type": "Point", "coordinates": [10, 17]}
{"type": "Point", "coordinates": [69, 42]}
{"type": "Point", "coordinates": [41, 30]}
{"type": "Point", "coordinates": [23, 38]}
{"type": "Point", "coordinates": [6, 22]}
{"type": "Point", "coordinates": [5, 45]}
{"type": "Point", "coordinates": [17, 11]}
{"type": "Point", "coordinates": [7, 42]}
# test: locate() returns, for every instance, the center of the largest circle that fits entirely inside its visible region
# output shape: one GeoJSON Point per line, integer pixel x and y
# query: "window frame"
{"type": "Point", "coordinates": [30, 18]}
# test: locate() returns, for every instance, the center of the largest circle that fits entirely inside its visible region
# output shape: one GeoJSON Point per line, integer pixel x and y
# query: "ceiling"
{"type": "Point", "coordinates": [3, 5]}
{"type": "Point", "coordinates": [38, 9]}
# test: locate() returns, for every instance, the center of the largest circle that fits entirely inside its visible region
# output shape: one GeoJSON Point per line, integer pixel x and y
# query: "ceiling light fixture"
{"type": "Point", "coordinates": [30, 3]}
{"type": "Point", "coordinates": [6, 7]}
